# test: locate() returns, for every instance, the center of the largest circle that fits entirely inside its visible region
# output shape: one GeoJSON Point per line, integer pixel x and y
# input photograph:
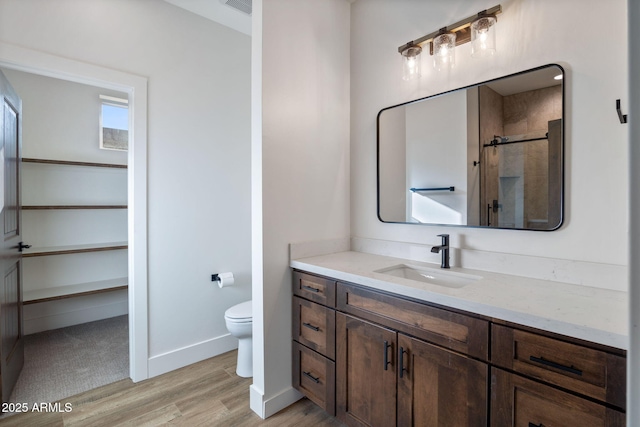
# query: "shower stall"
{"type": "Point", "coordinates": [520, 173]}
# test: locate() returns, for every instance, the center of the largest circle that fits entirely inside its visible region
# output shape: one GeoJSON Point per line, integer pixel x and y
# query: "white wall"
{"type": "Point", "coordinates": [529, 34]}
{"type": "Point", "coordinates": [198, 151]}
{"type": "Point", "coordinates": [392, 186]}
{"type": "Point", "coordinates": [438, 168]}
{"type": "Point", "coordinates": [633, 356]}
{"type": "Point", "coordinates": [303, 156]}
{"type": "Point", "coordinates": [60, 119]}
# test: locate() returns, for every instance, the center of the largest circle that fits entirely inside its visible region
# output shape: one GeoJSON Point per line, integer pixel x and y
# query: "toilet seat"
{"type": "Point", "coordinates": [240, 313]}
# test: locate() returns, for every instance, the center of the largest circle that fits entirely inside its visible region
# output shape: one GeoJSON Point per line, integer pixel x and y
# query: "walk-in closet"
{"type": "Point", "coordinates": [74, 227]}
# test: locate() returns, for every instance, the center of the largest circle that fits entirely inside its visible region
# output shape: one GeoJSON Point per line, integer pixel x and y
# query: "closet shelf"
{"type": "Point", "coordinates": [73, 163]}
{"type": "Point", "coordinates": [73, 249]}
{"type": "Point", "coordinates": [70, 291]}
{"type": "Point", "coordinates": [52, 207]}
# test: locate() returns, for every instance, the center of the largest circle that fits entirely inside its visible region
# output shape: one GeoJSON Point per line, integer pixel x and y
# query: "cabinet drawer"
{"type": "Point", "coordinates": [518, 401]}
{"type": "Point", "coordinates": [581, 369]}
{"type": "Point", "coordinates": [314, 288]}
{"type": "Point", "coordinates": [315, 326]}
{"type": "Point", "coordinates": [315, 377]}
{"type": "Point", "coordinates": [448, 329]}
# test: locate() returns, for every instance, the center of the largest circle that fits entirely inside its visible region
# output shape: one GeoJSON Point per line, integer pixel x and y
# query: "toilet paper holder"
{"type": "Point", "coordinates": [223, 279]}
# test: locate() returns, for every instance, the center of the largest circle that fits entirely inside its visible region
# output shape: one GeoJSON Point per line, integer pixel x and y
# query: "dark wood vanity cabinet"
{"type": "Point", "coordinates": [365, 373]}
{"type": "Point", "coordinates": [384, 378]}
{"type": "Point", "coordinates": [408, 350]}
{"type": "Point", "coordinates": [519, 401]}
{"type": "Point", "coordinates": [437, 387]}
{"type": "Point", "coordinates": [540, 380]}
{"type": "Point", "coordinates": [314, 343]}
{"type": "Point", "coordinates": [377, 359]}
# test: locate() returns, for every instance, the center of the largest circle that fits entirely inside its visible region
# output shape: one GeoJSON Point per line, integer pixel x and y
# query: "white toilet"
{"type": "Point", "coordinates": [239, 319]}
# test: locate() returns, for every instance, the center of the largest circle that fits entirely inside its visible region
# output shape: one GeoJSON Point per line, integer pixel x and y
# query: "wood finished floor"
{"type": "Point", "coordinates": [208, 393]}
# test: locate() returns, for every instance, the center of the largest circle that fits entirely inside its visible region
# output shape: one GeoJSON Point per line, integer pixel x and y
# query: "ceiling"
{"type": "Point", "coordinates": [218, 12]}
{"type": "Point", "coordinates": [526, 81]}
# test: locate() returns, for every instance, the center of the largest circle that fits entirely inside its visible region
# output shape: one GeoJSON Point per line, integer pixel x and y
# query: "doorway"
{"type": "Point", "coordinates": [73, 223]}
{"type": "Point", "coordinates": [39, 63]}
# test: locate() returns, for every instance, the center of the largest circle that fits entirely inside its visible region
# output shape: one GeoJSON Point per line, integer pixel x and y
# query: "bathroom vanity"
{"type": "Point", "coordinates": [375, 349]}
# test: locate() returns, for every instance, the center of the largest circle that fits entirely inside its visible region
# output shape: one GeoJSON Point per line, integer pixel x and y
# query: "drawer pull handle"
{"type": "Point", "coordinates": [311, 377]}
{"type": "Point", "coordinates": [401, 368]}
{"type": "Point", "coordinates": [310, 326]}
{"type": "Point", "coordinates": [385, 358]}
{"type": "Point", "coordinates": [571, 369]}
{"type": "Point", "coordinates": [310, 288]}
{"type": "Point", "coordinates": [535, 425]}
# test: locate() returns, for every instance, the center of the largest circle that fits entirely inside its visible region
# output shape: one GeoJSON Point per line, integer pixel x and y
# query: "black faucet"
{"type": "Point", "coordinates": [444, 247]}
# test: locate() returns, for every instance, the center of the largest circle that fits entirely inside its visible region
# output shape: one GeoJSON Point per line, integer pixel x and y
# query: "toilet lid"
{"type": "Point", "coordinates": [240, 311]}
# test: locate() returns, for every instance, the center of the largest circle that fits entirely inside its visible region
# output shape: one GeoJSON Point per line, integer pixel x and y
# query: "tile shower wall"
{"type": "Point", "coordinates": [518, 174]}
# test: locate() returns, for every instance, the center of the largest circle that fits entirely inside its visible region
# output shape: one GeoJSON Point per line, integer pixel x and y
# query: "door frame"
{"type": "Point", "coordinates": [41, 63]}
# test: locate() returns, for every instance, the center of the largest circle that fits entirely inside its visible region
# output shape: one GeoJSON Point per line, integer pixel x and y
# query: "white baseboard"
{"type": "Point", "coordinates": [256, 396]}
{"type": "Point", "coordinates": [185, 356]}
{"type": "Point", "coordinates": [48, 316]}
{"type": "Point", "coordinates": [266, 408]}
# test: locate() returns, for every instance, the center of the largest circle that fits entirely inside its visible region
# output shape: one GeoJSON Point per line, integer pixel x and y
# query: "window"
{"type": "Point", "coordinates": [114, 123]}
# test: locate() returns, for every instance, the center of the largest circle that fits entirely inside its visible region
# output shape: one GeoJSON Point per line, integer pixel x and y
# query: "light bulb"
{"type": "Point", "coordinates": [444, 55]}
{"type": "Point", "coordinates": [483, 38]}
{"type": "Point", "coordinates": [411, 62]}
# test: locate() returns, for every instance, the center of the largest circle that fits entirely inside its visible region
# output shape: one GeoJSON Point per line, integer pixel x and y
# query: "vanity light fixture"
{"type": "Point", "coordinates": [477, 29]}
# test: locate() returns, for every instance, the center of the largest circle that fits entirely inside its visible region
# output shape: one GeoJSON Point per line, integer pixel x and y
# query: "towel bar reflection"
{"type": "Point", "coordinates": [433, 189]}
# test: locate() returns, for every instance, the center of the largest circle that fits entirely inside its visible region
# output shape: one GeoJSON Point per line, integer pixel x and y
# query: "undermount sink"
{"type": "Point", "coordinates": [434, 276]}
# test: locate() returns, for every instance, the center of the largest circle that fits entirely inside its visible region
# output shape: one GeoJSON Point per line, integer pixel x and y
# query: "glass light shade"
{"type": "Point", "coordinates": [483, 36]}
{"type": "Point", "coordinates": [411, 62]}
{"type": "Point", "coordinates": [444, 53]}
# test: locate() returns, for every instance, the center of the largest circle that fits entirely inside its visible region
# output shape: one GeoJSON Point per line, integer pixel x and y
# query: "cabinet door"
{"type": "Point", "coordinates": [365, 373]}
{"type": "Point", "coordinates": [437, 387]}
{"type": "Point", "coordinates": [517, 401]}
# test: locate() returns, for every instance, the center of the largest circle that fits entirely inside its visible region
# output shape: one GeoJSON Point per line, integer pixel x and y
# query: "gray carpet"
{"type": "Point", "coordinates": [63, 362]}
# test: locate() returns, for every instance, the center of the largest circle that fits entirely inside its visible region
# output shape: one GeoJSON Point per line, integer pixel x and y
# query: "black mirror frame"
{"type": "Point", "coordinates": [562, 152]}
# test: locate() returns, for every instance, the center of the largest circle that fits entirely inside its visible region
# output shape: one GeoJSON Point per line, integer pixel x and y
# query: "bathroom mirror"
{"type": "Point", "coordinates": [487, 155]}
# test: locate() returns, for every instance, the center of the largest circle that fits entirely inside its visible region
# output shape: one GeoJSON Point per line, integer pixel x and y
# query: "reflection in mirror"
{"type": "Point", "coordinates": [487, 155]}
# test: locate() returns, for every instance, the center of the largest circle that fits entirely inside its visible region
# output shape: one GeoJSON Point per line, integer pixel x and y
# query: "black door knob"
{"type": "Point", "coordinates": [22, 246]}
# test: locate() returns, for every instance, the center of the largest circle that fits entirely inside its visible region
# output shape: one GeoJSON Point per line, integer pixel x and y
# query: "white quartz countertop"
{"type": "Point", "coordinates": [588, 313]}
